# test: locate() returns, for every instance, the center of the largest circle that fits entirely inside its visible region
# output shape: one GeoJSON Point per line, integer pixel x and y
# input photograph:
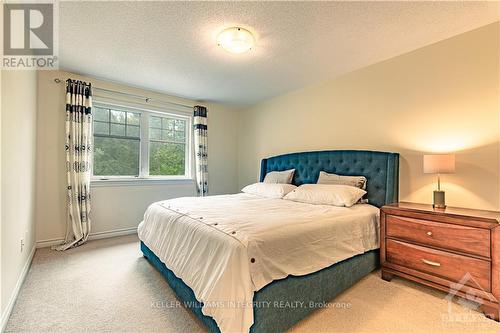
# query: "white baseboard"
{"type": "Point", "coordinates": [113, 233]}
{"type": "Point", "coordinates": [15, 292]}
{"type": "Point", "coordinates": [92, 236]}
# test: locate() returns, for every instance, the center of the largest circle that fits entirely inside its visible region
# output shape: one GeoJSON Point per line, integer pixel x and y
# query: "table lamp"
{"type": "Point", "coordinates": [439, 163]}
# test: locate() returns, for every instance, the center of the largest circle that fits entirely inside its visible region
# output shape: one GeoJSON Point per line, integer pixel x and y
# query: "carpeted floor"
{"type": "Point", "coordinates": [107, 286]}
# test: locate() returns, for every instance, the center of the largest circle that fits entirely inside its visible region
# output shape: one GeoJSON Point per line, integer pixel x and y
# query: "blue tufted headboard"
{"type": "Point", "coordinates": [381, 169]}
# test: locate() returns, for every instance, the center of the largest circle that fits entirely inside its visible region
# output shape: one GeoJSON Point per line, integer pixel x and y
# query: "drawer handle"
{"type": "Point", "coordinates": [431, 263]}
{"type": "Point", "coordinates": [429, 233]}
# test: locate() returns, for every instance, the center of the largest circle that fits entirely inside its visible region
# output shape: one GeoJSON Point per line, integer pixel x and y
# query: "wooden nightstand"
{"type": "Point", "coordinates": [455, 250]}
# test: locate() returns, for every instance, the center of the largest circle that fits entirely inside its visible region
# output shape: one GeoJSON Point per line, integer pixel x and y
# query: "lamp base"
{"type": "Point", "coordinates": [439, 200]}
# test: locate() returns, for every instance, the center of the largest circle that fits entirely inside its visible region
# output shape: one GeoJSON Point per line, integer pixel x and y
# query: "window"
{"type": "Point", "coordinates": [167, 146]}
{"type": "Point", "coordinates": [140, 143]}
{"type": "Point", "coordinates": [116, 142]}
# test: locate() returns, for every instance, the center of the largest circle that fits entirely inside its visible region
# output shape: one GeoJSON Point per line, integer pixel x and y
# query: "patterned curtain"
{"type": "Point", "coordinates": [78, 162]}
{"type": "Point", "coordinates": [201, 149]}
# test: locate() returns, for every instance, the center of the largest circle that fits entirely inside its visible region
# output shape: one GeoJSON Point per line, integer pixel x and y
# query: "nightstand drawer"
{"type": "Point", "coordinates": [443, 235]}
{"type": "Point", "coordinates": [447, 265]}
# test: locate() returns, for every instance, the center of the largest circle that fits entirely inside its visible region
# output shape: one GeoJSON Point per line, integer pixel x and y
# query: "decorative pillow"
{"type": "Point", "coordinates": [274, 191]}
{"type": "Point", "coordinates": [279, 177]}
{"type": "Point", "coordinates": [333, 179]}
{"type": "Point", "coordinates": [333, 195]}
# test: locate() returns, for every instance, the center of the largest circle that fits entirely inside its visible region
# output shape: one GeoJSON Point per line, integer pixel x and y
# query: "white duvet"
{"type": "Point", "coordinates": [227, 247]}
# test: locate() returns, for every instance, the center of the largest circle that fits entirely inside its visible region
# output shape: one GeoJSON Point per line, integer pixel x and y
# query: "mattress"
{"type": "Point", "coordinates": [225, 248]}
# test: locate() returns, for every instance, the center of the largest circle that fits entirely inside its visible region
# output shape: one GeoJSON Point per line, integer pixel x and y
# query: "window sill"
{"type": "Point", "coordinates": [115, 182]}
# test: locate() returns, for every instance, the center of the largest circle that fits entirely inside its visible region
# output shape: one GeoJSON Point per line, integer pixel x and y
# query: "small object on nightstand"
{"type": "Point", "coordinates": [456, 250]}
{"type": "Point", "coordinates": [443, 163]}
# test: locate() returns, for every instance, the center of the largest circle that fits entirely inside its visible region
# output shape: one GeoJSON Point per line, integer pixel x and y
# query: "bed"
{"type": "Point", "coordinates": [251, 273]}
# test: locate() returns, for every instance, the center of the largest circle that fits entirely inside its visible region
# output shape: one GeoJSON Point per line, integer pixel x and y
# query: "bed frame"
{"type": "Point", "coordinates": [382, 172]}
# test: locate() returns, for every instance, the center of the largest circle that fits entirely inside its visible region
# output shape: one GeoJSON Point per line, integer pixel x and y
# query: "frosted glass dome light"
{"type": "Point", "coordinates": [236, 40]}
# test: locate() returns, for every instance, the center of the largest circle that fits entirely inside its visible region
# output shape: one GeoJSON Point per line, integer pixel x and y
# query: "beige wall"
{"type": "Point", "coordinates": [498, 115]}
{"type": "Point", "coordinates": [1, 199]}
{"type": "Point", "coordinates": [223, 149]}
{"type": "Point", "coordinates": [440, 98]}
{"type": "Point", "coordinates": [18, 150]}
{"type": "Point", "coordinates": [117, 207]}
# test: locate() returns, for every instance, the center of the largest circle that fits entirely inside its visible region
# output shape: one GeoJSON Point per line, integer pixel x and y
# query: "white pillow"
{"type": "Point", "coordinates": [333, 195]}
{"type": "Point", "coordinates": [274, 191]}
{"type": "Point", "coordinates": [333, 179]}
{"type": "Point", "coordinates": [279, 177]}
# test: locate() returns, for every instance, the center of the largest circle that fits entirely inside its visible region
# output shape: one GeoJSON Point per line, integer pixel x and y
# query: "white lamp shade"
{"type": "Point", "coordinates": [439, 163]}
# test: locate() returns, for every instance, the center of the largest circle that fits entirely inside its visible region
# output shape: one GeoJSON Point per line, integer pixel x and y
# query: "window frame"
{"type": "Point", "coordinates": [144, 141]}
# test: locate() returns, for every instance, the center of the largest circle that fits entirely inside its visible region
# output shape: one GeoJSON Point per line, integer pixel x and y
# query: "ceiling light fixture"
{"type": "Point", "coordinates": [236, 40]}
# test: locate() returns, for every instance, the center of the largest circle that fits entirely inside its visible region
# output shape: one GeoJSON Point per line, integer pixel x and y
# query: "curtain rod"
{"type": "Point", "coordinates": [145, 98]}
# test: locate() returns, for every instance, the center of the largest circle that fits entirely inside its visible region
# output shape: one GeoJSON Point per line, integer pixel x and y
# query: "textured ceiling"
{"type": "Point", "coordinates": [170, 46]}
